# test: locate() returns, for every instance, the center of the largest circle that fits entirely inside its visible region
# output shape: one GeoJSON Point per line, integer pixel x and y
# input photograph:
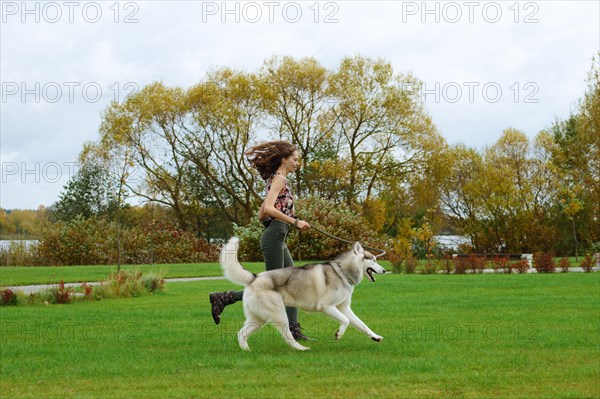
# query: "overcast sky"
{"type": "Point", "coordinates": [486, 65]}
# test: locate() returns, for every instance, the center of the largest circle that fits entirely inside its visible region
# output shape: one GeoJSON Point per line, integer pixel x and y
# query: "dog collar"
{"type": "Point", "coordinates": [350, 281]}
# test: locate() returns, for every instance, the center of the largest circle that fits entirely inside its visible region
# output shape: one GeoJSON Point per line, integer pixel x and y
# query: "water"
{"type": "Point", "coordinates": [4, 244]}
{"type": "Point", "coordinates": [451, 242]}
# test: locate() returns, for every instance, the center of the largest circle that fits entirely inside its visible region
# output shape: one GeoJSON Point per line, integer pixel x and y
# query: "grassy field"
{"type": "Point", "coordinates": [29, 275]}
{"type": "Point", "coordinates": [472, 336]}
{"type": "Point", "coordinates": [25, 275]}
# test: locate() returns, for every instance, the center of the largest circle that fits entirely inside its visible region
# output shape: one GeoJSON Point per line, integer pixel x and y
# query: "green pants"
{"type": "Point", "coordinates": [276, 255]}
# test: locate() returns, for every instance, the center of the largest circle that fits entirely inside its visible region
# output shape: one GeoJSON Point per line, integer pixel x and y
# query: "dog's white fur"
{"type": "Point", "coordinates": [325, 287]}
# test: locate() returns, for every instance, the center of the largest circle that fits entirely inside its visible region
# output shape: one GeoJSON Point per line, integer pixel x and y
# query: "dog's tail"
{"type": "Point", "coordinates": [232, 268]}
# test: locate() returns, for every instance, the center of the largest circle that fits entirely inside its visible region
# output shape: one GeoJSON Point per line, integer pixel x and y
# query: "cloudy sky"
{"type": "Point", "coordinates": [486, 65]}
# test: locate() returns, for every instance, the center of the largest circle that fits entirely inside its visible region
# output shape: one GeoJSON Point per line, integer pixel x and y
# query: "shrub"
{"type": "Point", "coordinates": [544, 262]}
{"type": "Point", "coordinates": [153, 283]}
{"type": "Point", "coordinates": [587, 264]}
{"type": "Point", "coordinates": [128, 284]}
{"type": "Point", "coordinates": [93, 241]}
{"type": "Point", "coordinates": [460, 265]}
{"type": "Point", "coordinates": [564, 265]}
{"type": "Point", "coordinates": [401, 249]}
{"type": "Point", "coordinates": [447, 264]}
{"type": "Point", "coordinates": [336, 219]}
{"type": "Point", "coordinates": [62, 294]}
{"type": "Point", "coordinates": [77, 242]}
{"type": "Point", "coordinates": [521, 266]}
{"type": "Point", "coordinates": [123, 284]}
{"type": "Point", "coordinates": [249, 236]}
{"type": "Point", "coordinates": [160, 242]}
{"type": "Point", "coordinates": [20, 253]}
{"type": "Point", "coordinates": [431, 266]}
{"type": "Point", "coordinates": [8, 297]}
{"type": "Point", "coordinates": [411, 265]}
{"type": "Point", "coordinates": [508, 267]}
{"type": "Point", "coordinates": [501, 264]}
{"type": "Point", "coordinates": [476, 263]}
{"type": "Point", "coordinates": [87, 291]}
{"type": "Point", "coordinates": [396, 261]}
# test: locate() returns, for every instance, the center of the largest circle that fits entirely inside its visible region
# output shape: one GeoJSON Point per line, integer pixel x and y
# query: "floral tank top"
{"type": "Point", "coordinates": [285, 200]}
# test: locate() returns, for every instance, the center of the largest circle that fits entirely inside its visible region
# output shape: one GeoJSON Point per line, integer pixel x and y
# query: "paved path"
{"type": "Point", "coordinates": [28, 289]}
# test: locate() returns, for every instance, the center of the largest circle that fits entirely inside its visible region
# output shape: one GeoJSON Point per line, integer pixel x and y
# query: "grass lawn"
{"type": "Point", "coordinates": [472, 336]}
{"type": "Point", "coordinates": [29, 275]}
{"type": "Point", "coordinates": [26, 275]}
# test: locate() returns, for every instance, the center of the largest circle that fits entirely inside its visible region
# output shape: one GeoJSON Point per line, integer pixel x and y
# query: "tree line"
{"type": "Point", "coordinates": [367, 143]}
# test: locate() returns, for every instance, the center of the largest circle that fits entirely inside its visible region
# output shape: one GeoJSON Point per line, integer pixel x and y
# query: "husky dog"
{"type": "Point", "coordinates": [323, 287]}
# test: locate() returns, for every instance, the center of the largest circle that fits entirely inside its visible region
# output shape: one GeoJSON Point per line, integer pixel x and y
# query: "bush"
{"type": "Point", "coordinates": [521, 266]}
{"type": "Point", "coordinates": [87, 291]}
{"type": "Point", "coordinates": [77, 242]}
{"type": "Point", "coordinates": [501, 265]}
{"type": "Point", "coordinates": [93, 241]}
{"type": "Point", "coordinates": [460, 265]}
{"type": "Point", "coordinates": [400, 250]}
{"type": "Point", "coordinates": [447, 264]}
{"type": "Point", "coordinates": [431, 266]}
{"type": "Point", "coordinates": [396, 261]}
{"type": "Point", "coordinates": [122, 284]}
{"type": "Point", "coordinates": [8, 297]}
{"type": "Point", "coordinates": [587, 264]}
{"type": "Point", "coordinates": [564, 265]}
{"type": "Point", "coordinates": [119, 285]}
{"type": "Point", "coordinates": [476, 263]}
{"type": "Point", "coordinates": [249, 236]}
{"type": "Point", "coordinates": [336, 219]}
{"type": "Point", "coordinates": [153, 283]}
{"type": "Point", "coordinates": [61, 295]}
{"type": "Point", "coordinates": [20, 253]}
{"type": "Point", "coordinates": [411, 265]}
{"type": "Point", "coordinates": [544, 262]}
{"type": "Point", "coordinates": [128, 284]}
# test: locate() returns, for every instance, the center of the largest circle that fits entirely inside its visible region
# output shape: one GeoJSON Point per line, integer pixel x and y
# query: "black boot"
{"type": "Point", "coordinates": [297, 332]}
{"type": "Point", "coordinates": [219, 300]}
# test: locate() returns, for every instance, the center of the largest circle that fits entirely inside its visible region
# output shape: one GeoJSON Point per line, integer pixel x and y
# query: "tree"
{"type": "Point", "coordinates": [115, 159]}
{"type": "Point", "coordinates": [224, 117]}
{"type": "Point", "coordinates": [577, 159]}
{"type": "Point", "coordinates": [145, 127]}
{"type": "Point", "coordinates": [22, 223]}
{"type": "Point", "coordinates": [378, 118]}
{"type": "Point", "coordinates": [460, 196]}
{"type": "Point", "coordinates": [90, 192]}
{"type": "Point", "coordinates": [295, 99]}
{"type": "Point", "coordinates": [355, 127]}
{"type": "Point", "coordinates": [503, 195]}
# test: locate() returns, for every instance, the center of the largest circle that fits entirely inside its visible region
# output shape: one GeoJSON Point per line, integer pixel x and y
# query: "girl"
{"type": "Point", "coordinates": [274, 161]}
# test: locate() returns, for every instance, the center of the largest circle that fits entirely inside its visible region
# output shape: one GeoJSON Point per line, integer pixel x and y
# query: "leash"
{"type": "Point", "coordinates": [381, 251]}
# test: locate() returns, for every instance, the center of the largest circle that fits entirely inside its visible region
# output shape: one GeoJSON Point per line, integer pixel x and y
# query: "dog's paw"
{"type": "Point", "coordinates": [377, 338]}
{"type": "Point", "coordinates": [338, 335]}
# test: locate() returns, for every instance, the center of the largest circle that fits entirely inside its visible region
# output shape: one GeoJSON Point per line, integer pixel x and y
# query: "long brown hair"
{"type": "Point", "coordinates": [267, 157]}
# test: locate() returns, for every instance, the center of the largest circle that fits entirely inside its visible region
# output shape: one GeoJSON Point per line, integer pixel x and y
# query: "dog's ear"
{"type": "Point", "coordinates": [358, 249]}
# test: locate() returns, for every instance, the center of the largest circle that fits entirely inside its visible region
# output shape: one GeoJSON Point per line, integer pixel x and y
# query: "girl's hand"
{"type": "Point", "coordinates": [301, 225]}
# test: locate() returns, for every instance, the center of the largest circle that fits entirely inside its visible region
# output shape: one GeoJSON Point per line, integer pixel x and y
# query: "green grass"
{"type": "Point", "coordinates": [472, 336]}
{"type": "Point", "coordinates": [26, 275]}
{"type": "Point", "coordinates": [30, 275]}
